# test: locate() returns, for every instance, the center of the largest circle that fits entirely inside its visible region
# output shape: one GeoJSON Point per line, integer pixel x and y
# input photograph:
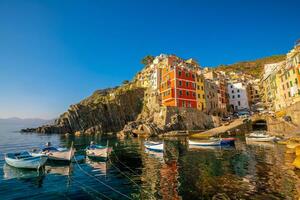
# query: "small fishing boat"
{"type": "Point", "coordinates": [210, 142]}
{"type": "Point", "coordinates": [154, 146]}
{"type": "Point", "coordinates": [258, 134]}
{"type": "Point", "coordinates": [261, 139]}
{"type": "Point", "coordinates": [25, 160]}
{"type": "Point", "coordinates": [55, 153]}
{"type": "Point", "coordinates": [98, 151]}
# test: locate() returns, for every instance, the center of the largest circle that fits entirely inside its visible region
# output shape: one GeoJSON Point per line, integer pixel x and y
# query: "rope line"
{"type": "Point", "coordinates": [124, 195]}
{"type": "Point", "coordinates": [115, 155]}
{"type": "Point", "coordinates": [125, 174]}
{"type": "Point", "coordinates": [84, 189]}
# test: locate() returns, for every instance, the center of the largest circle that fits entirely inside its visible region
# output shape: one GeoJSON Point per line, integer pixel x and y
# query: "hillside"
{"type": "Point", "coordinates": [253, 68]}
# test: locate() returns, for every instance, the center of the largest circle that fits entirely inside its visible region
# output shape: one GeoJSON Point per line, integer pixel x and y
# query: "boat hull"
{"type": "Point", "coordinates": [34, 162]}
{"type": "Point", "coordinates": [101, 153]}
{"type": "Point", "coordinates": [206, 143]}
{"type": "Point", "coordinates": [261, 139]}
{"type": "Point", "coordinates": [155, 147]}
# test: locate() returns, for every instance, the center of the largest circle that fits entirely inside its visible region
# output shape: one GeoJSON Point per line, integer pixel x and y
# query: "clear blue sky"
{"type": "Point", "coordinates": [53, 53]}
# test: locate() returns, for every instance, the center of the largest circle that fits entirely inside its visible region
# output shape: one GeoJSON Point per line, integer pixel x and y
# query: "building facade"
{"type": "Point", "coordinates": [178, 84]}
{"type": "Point", "coordinates": [238, 99]}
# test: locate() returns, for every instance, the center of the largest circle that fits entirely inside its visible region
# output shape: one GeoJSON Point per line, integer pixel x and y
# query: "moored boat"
{"type": "Point", "coordinates": [25, 160]}
{"type": "Point", "coordinates": [261, 139]}
{"type": "Point", "coordinates": [154, 146]}
{"type": "Point", "coordinates": [210, 142]}
{"type": "Point", "coordinates": [213, 142]}
{"type": "Point", "coordinates": [55, 153]}
{"type": "Point", "coordinates": [98, 151]}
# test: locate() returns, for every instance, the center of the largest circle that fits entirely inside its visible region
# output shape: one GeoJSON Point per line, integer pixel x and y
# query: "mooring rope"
{"type": "Point", "coordinates": [89, 187]}
{"type": "Point", "coordinates": [113, 189]}
{"type": "Point", "coordinates": [115, 155]}
{"type": "Point", "coordinates": [124, 174]}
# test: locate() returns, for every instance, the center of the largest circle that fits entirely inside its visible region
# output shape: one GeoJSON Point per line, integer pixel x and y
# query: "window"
{"type": "Point", "coordinates": [203, 96]}
{"type": "Point", "coordinates": [238, 90]}
{"type": "Point", "coordinates": [179, 73]}
{"type": "Point", "coordinates": [180, 83]}
{"type": "Point", "coordinates": [198, 87]}
{"type": "Point", "coordinates": [291, 83]}
{"type": "Point", "coordinates": [232, 91]}
{"type": "Point", "coordinates": [283, 87]}
{"type": "Point", "coordinates": [194, 85]}
{"type": "Point", "coordinates": [194, 94]}
{"type": "Point", "coordinates": [183, 103]}
{"type": "Point", "coordinates": [187, 74]}
{"type": "Point", "coordinates": [202, 88]}
{"type": "Point", "coordinates": [199, 96]}
{"type": "Point", "coordinates": [233, 96]}
{"type": "Point", "coordinates": [187, 93]}
{"type": "Point", "coordinates": [287, 85]}
{"type": "Point", "coordinates": [239, 103]}
{"type": "Point", "coordinates": [180, 93]}
{"type": "Point", "coordinates": [193, 76]}
{"type": "Point", "coordinates": [296, 81]}
{"type": "Point", "coordinates": [230, 86]}
{"type": "Point", "coordinates": [189, 104]}
{"type": "Point", "coordinates": [289, 93]}
{"type": "Point", "coordinates": [285, 96]}
{"type": "Point", "coordinates": [294, 71]}
{"type": "Point", "coordinates": [239, 96]}
{"type": "Point", "coordinates": [187, 84]}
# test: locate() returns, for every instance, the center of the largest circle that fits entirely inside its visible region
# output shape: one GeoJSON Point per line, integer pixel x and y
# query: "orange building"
{"type": "Point", "coordinates": [178, 84]}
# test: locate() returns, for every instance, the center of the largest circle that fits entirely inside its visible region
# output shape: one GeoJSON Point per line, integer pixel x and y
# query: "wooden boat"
{"type": "Point", "coordinates": [261, 139]}
{"type": "Point", "coordinates": [154, 146]}
{"type": "Point", "coordinates": [98, 151]}
{"type": "Point", "coordinates": [25, 160]}
{"type": "Point", "coordinates": [57, 154]}
{"type": "Point", "coordinates": [259, 134]}
{"type": "Point", "coordinates": [210, 142]}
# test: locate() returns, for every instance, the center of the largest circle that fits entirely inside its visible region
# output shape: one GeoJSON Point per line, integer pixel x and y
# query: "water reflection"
{"type": "Point", "coordinates": [33, 177]}
{"type": "Point", "coordinates": [181, 171]}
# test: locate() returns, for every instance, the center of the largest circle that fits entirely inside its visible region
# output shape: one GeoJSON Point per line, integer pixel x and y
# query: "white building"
{"type": "Point", "coordinates": [238, 99]}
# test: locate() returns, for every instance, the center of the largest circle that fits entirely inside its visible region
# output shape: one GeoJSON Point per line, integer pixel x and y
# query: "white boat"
{"type": "Point", "coordinates": [210, 142]}
{"type": "Point", "coordinates": [258, 134]}
{"type": "Point", "coordinates": [154, 146]}
{"type": "Point", "coordinates": [25, 160]}
{"type": "Point", "coordinates": [261, 139]}
{"type": "Point", "coordinates": [56, 154]}
{"type": "Point", "coordinates": [98, 151]}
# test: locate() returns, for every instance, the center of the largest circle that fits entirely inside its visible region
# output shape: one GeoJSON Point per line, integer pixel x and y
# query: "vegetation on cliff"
{"type": "Point", "coordinates": [254, 68]}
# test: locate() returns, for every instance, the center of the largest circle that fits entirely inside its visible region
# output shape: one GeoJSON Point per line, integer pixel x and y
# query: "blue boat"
{"type": "Point", "coordinates": [25, 160]}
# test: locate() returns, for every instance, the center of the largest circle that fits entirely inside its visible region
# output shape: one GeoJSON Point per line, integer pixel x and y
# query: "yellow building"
{"type": "Point", "coordinates": [200, 92]}
{"type": "Point", "coordinates": [270, 85]}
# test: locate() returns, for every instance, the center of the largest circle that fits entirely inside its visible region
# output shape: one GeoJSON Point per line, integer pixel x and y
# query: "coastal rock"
{"type": "Point", "coordinates": [105, 111]}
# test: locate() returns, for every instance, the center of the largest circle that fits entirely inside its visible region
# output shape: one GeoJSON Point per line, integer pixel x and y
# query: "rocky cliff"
{"type": "Point", "coordinates": [104, 111]}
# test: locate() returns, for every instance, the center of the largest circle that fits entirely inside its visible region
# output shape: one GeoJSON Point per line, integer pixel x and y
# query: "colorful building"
{"type": "Point", "coordinates": [178, 83]}
{"type": "Point", "coordinates": [200, 92]}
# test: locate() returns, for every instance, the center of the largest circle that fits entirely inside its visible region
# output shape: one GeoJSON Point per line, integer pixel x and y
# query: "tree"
{"type": "Point", "coordinates": [147, 59]}
{"type": "Point", "coordinates": [125, 82]}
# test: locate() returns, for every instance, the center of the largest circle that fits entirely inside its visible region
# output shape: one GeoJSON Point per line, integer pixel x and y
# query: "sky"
{"type": "Point", "coordinates": [54, 53]}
